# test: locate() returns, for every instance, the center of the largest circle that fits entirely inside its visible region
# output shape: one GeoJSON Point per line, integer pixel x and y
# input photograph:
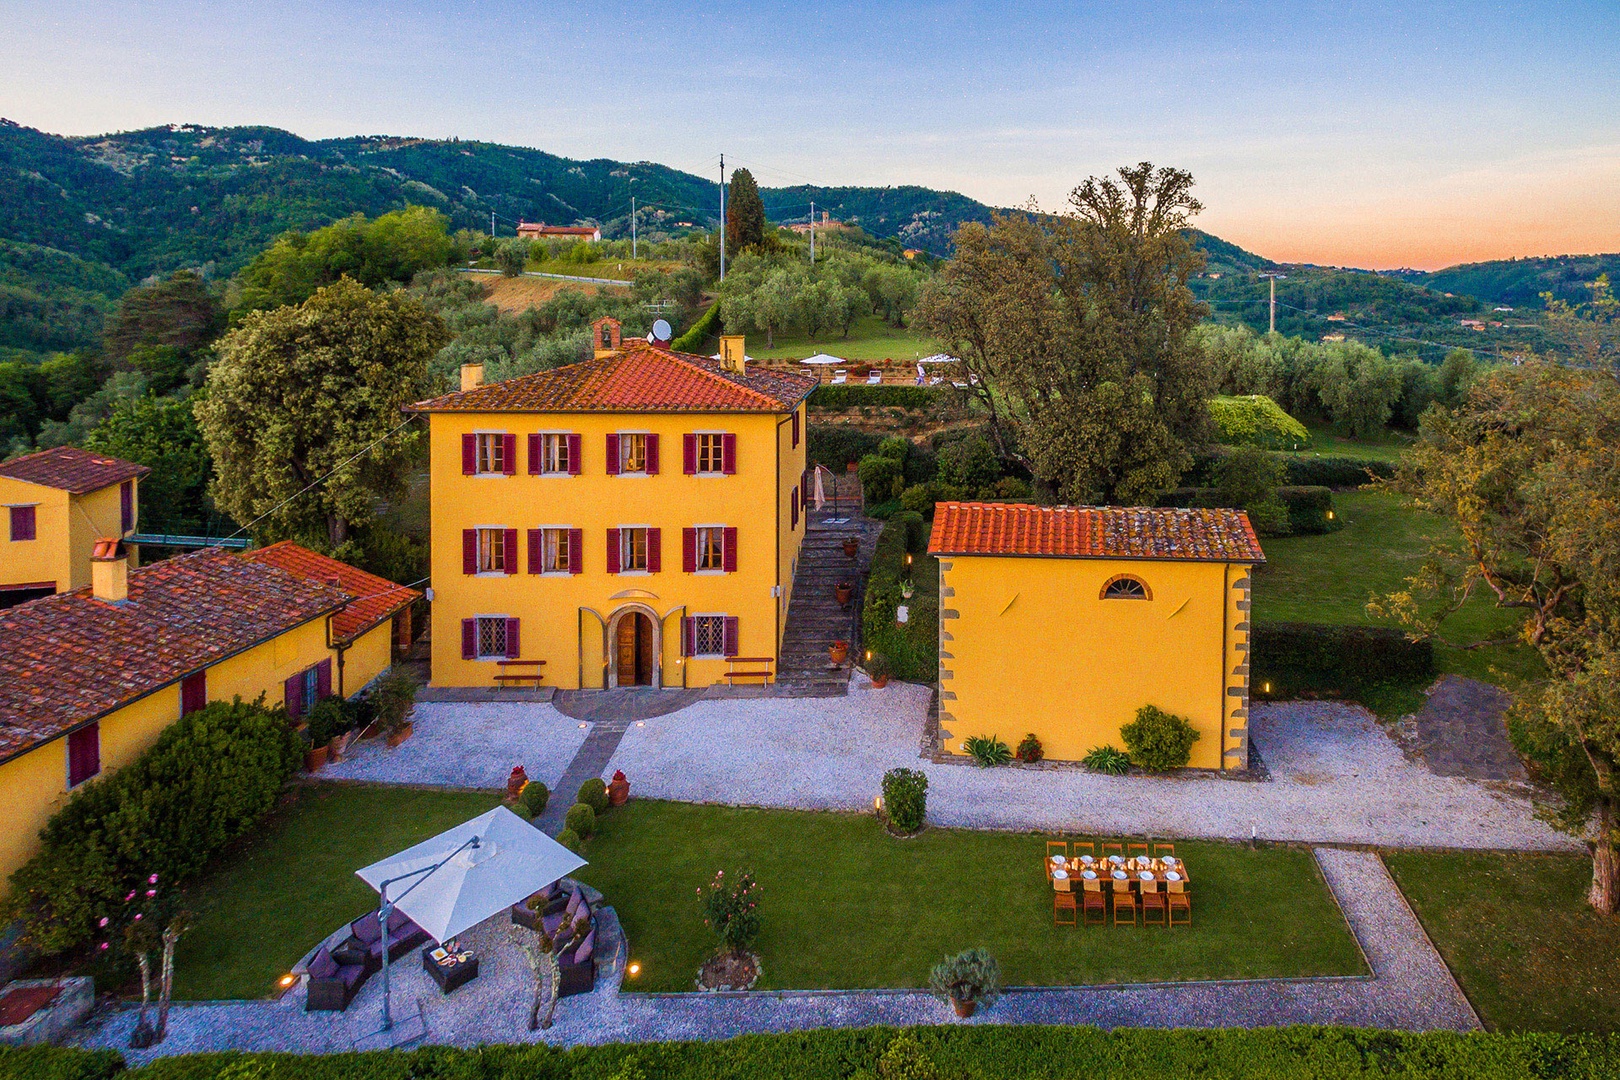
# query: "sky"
{"type": "Point", "coordinates": [1353, 133]}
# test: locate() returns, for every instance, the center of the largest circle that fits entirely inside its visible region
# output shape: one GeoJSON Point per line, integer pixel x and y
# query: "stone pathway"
{"type": "Point", "coordinates": [1462, 731]}
{"type": "Point", "coordinates": [1410, 988]}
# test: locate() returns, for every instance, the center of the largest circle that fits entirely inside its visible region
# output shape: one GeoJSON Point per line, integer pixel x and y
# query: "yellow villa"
{"type": "Point", "coordinates": [634, 519]}
{"type": "Point", "coordinates": [57, 504]}
{"type": "Point", "coordinates": [90, 678]}
{"type": "Point", "coordinates": [1064, 621]}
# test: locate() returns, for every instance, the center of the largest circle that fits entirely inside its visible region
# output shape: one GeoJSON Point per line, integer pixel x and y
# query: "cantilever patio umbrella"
{"type": "Point", "coordinates": [464, 875]}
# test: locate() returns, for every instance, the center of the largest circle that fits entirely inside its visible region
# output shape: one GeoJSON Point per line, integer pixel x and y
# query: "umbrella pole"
{"type": "Point", "coordinates": [383, 912]}
{"type": "Point", "coordinates": [387, 909]}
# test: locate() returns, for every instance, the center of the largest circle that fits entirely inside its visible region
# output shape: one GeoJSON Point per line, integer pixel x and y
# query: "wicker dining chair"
{"type": "Point", "coordinates": [1094, 900]}
{"type": "Point", "coordinates": [1179, 900]}
{"type": "Point", "coordinates": [1124, 903]}
{"type": "Point", "coordinates": [1061, 902]}
{"type": "Point", "coordinates": [1154, 909]}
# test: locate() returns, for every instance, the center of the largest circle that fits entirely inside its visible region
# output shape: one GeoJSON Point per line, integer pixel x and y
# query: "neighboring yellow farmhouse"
{"type": "Point", "coordinates": [89, 678]}
{"type": "Point", "coordinates": [1063, 621]}
{"type": "Point", "coordinates": [634, 519]}
{"type": "Point", "coordinates": [57, 504]}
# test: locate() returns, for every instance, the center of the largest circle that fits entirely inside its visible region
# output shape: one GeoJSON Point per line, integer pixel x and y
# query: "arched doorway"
{"type": "Point", "coordinates": [634, 648]}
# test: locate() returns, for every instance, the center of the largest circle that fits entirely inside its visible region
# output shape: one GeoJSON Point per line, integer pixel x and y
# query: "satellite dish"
{"type": "Point", "coordinates": [662, 331]}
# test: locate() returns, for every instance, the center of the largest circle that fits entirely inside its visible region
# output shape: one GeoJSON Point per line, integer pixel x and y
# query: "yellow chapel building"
{"type": "Point", "coordinates": [630, 520]}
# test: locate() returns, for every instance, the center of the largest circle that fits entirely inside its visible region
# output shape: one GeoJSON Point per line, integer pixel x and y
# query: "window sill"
{"type": "Point", "coordinates": [492, 574]}
{"type": "Point", "coordinates": [634, 573]}
{"type": "Point", "coordinates": [491, 476]}
{"type": "Point", "coordinates": [556, 574]}
{"type": "Point", "coordinates": [710, 573]}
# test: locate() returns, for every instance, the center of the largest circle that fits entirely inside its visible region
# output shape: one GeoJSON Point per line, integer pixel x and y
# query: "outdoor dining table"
{"type": "Point", "coordinates": [1073, 870]}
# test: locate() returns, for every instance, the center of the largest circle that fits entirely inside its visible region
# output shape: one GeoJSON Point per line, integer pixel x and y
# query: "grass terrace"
{"type": "Point", "coordinates": [870, 339]}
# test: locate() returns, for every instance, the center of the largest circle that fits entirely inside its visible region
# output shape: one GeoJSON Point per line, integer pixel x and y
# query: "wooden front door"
{"type": "Point", "coordinates": [634, 644]}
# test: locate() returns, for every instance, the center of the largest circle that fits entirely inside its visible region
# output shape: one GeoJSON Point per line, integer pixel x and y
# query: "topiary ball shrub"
{"type": "Point", "coordinates": [1256, 420]}
{"type": "Point", "coordinates": [581, 818]}
{"type": "Point", "coordinates": [1029, 750]}
{"type": "Point", "coordinates": [905, 798]}
{"type": "Point", "coordinates": [1158, 740]}
{"type": "Point", "coordinates": [522, 810]}
{"type": "Point", "coordinates": [535, 796]}
{"type": "Point", "coordinates": [593, 793]}
{"type": "Point", "coordinates": [569, 839]}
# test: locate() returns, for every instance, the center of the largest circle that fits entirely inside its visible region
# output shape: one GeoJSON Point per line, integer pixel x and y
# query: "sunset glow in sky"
{"type": "Point", "coordinates": [1357, 133]}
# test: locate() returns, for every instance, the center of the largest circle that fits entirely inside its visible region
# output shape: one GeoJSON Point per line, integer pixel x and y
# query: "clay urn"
{"type": "Point", "coordinates": [838, 652]}
{"type": "Point", "coordinates": [618, 789]}
{"type": "Point", "coordinates": [852, 547]}
{"type": "Point", "coordinates": [843, 591]}
{"type": "Point", "coordinates": [515, 782]}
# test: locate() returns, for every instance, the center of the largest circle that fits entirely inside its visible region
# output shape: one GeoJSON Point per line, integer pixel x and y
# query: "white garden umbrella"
{"type": "Point", "coordinates": [939, 358]}
{"type": "Point", "coordinates": [822, 358]}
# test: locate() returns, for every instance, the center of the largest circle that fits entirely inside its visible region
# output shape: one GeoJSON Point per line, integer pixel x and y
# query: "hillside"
{"type": "Point", "coordinates": [1519, 282]}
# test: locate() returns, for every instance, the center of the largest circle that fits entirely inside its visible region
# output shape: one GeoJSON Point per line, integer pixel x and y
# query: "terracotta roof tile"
{"type": "Point", "coordinates": [371, 598]}
{"type": "Point", "coordinates": [67, 468]}
{"type": "Point", "coordinates": [70, 658]}
{"type": "Point", "coordinates": [1094, 532]}
{"type": "Point", "coordinates": [636, 378]}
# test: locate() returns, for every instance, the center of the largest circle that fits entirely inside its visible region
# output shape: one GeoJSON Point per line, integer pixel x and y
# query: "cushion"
{"type": "Point", "coordinates": [322, 966]}
{"type": "Point", "coordinates": [575, 899]}
{"type": "Point", "coordinates": [352, 975]}
{"type": "Point", "coordinates": [352, 951]}
{"type": "Point", "coordinates": [399, 924]}
{"type": "Point", "coordinates": [583, 953]}
{"type": "Point", "coordinates": [366, 929]}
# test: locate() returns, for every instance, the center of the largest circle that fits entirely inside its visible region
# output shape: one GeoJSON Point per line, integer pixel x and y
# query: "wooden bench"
{"type": "Point", "coordinates": [762, 674]}
{"type": "Point", "coordinates": [517, 678]}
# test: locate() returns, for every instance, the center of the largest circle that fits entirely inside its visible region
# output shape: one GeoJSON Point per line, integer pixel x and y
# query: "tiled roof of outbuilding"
{"type": "Point", "coordinates": [636, 378]}
{"type": "Point", "coordinates": [70, 658]}
{"type": "Point", "coordinates": [371, 598]}
{"type": "Point", "coordinates": [67, 468]}
{"type": "Point", "coordinates": [1094, 532]}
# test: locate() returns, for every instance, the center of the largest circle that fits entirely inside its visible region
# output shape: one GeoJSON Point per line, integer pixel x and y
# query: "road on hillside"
{"type": "Point", "coordinates": [557, 277]}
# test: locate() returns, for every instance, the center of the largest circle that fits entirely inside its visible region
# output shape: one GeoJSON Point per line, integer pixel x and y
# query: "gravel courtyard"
{"type": "Point", "coordinates": [457, 744]}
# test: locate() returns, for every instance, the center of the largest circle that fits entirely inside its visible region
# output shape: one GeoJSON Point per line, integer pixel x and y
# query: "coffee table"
{"type": "Point", "coordinates": [450, 973]}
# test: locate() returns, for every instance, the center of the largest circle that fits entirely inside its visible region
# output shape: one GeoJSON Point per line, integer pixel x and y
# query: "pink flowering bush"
{"type": "Point", "coordinates": [731, 909]}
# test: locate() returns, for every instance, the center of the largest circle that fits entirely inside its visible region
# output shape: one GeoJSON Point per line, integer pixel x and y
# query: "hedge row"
{"type": "Point", "coordinates": [1303, 471]}
{"type": "Point", "coordinates": [1310, 509]}
{"type": "Point", "coordinates": [912, 650]}
{"type": "Point", "coordinates": [1310, 659]}
{"type": "Point", "coordinates": [981, 1052]}
{"type": "Point", "coordinates": [853, 396]}
{"type": "Point", "coordinates": [707, 326]}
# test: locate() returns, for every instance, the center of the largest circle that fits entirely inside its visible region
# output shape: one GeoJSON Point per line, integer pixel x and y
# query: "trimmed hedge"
{"type": "Point", "coordinates": [1256, 420]}
{"type": "Point", "coordinates": [707, 326]}
{"type": "Point", "coordinates": [912, 650]}
{"type": "Point", "coordinates": [978, 1052]}
{"type": "Point", "coordinates": [1308, 507]}
{"type": "Point", "coordinates": [837, 446]}
{"type": "Point", "coordinates": [1335, 472]}
{"type": "Point", "coordinates": [1314, 660]}
{"type": "Point", "coordinates": [855, 395]}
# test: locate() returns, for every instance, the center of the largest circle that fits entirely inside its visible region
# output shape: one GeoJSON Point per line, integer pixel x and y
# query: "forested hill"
{"type": "Point", "coordinates": [1520, 282]}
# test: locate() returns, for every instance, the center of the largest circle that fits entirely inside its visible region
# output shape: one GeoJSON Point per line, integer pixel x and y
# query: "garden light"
{"type": "Point", "coordinates": [1265, 688]}
{"type": "Point", "coordinates": [285, 981]}
{"type": "Point", "coordinates": [634, 969]}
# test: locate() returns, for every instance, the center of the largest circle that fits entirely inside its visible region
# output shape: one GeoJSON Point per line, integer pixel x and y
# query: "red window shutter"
{"type": "Point", "coordinates": [731, 635]}
{"type": "Point", "coordinates": [613, 455]}
{"type": "Point", "coordinates": [728, 454]}
{"type": "Point", "coordinates": [729, 554]}
{"type": "Point", "coordinates": [795, 429]}
{"type": "Point", "coordinates": [323, 679]}
{"type": "Point", "coordinates": [510, 446]}
{"type": "Point", "coordinates": [689, 454]}
{"type": "Point", "coordinates": [688, 635]}
{"type": "Point", "coordinates": [536, 554]}
{"type": "Point", "coordinates": [535, 451]}
{"type": "Point", "coordinates": [689, 550]}
{"type": "Point", "coordinates": [576, 551]}
{"type": "Point", "coordinates": [511, 550]}
{"type": "Point", "coordinates": [613, 551]}
{"type": "Point", "coordinates": [655, 558]}
{"type": "Point", "coordinates": [469, 551]}
{"type": "Point", "coordinates": [469, 455]}
{"type": "Point", "coordinates": [84, 754]}
{"type": "Point", "coordinates": [193, 692]}
{"type": "Point", "coordinates": [469, 639]}
{"type": "Point", "coordinates": [575, 454]}
{"type": "Point", "coordinates": [793, 505]}
{"type": "Point", "coordinates": [513, 651]}
{"type": "Point", "coordinates": [652, 455]}
{"type": "Point", "coordinates": [22, 523]}
{"type": "Point", "coordinates": [126, 506]}
{"type": "Point", "coordinates": [292, 692]}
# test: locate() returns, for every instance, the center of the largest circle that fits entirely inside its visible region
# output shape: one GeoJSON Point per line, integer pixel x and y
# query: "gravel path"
{"type": "Point", "coordinates": [469, 745]}
{"type": "Point", "coordinates": [1337, 777]}
{"type": "Point", "coordinates": [1410, 989]}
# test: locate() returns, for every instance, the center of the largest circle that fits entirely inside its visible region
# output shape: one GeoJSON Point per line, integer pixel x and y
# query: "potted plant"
{"type": "Point", "coordinates": [318, 734]}
{"type": "Point", "coordinates": [967, 980]}
{"type": "Point", "coordinates": [396, 697]}
{"type": "Point", "coordinates": [619, 789]}
{"type": "Point", "coordinates": [843, 591]}
{"type": "Point", "coordinates": [514, 783]}
{"type": "Point", "coordinates": [852, 546]}
{"type": "Point", "coordinates": [879, 668]}
{"type": "Point", "coordinates": [838, 652]}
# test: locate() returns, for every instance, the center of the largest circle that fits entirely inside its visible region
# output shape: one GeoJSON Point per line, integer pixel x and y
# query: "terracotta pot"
{"type": "Point", "coordinates": [879, 681]}
{"type": "Point", "coordinates": [314, 758]}
{"type": "Point", "coordinates": [852, 547]}
{"type": "Point", "coordinates": [397, 737]}
{"type": "Point", "coordinates": [842, 592]}
{"type": "Point", "coordinates": [515, 782]}
{"type": "Point", "coordinates": [838, 652]}
{"type": "Point", "coordinates": [618, 793]}
{"type": "Point", "coordinates": [964, 1009]}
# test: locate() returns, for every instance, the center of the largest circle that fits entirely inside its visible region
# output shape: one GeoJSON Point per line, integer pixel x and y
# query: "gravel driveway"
{"type": "Point", "coordinates": [1336, 777]}
{"type": "Point", "coordinates": [457, 744]}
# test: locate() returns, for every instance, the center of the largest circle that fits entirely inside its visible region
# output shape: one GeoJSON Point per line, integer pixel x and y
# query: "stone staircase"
{"type": "Point", "coordinates": [815, 618]}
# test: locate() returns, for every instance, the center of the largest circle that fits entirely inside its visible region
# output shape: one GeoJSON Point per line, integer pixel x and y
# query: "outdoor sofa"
{"type": "Point", "coordinates": [552, 906]}
{"type": "Point", "coordinates": [336, 975]}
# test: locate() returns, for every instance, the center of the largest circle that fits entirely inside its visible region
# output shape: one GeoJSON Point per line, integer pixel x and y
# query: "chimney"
{"type": "Point", "coordinates": [605, 336]}
{"type": "Point", "coordinates": [732, 356]}
{"type": "Point", "coordinates": [109, 571]}
{"type": "Point", "coordinates": [472, 377]}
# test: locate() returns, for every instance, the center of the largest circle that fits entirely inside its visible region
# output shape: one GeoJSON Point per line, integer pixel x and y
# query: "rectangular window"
{"type": "Point", "coordinates": [708, 635]}
{"type": "Point", "coordinates": [193, 692]}
{"type": "Point", "coordinates": [711, 452]}
{"type": "Point", "coordinates": [22, 522]}
{"type": "Point", "coordinates": [494, 454]}
{"type": "Point", "coordinates": [126, 507]}
{"type": "Point", "coordinates": [493, 558]}
{"type": "Point", "coordinates": [632, 453]}
{"type": "Point", "coordinates": [84, 754]}
{"type": "Point", "coordinates": [492, 638]}
{"type": "Point", "coordinates": [711, 548]}
{"type": "Point", "coordinates": [555, 459]}
{"type": "Point", "coordinates": [555, 552]}
{"type": "Point", "coordinates": [632, 549]}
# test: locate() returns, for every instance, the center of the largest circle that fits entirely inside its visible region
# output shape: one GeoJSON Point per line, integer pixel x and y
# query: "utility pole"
{"type": "Point", "coordinates": [492, 224]}
{"type": "Point", "coordinates": [1274, 277]}
{"type": "Point", "coordinates": [722, 217]}
{"type": "Point", "coordinates": [812, 232]}
{"type": "Point", "coordinates": [632, 226]}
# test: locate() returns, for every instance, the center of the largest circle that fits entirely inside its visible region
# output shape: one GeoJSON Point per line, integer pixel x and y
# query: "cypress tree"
{"type": "Point", "coordinates": [745, 213]}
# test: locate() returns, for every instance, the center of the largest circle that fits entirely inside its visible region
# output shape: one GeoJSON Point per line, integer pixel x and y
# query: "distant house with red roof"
{"type": "Point", "coordinates": [56, 504]}
{"type": "Point", "coordinates": [90, 677]}
{"type": "Point", "coordinates": [534, 230]}
{"type": "Point", "coordinates": [1064, 621]}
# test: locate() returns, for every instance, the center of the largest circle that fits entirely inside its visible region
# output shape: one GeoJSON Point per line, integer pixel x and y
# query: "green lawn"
{"type": "Point", "coordinates": [1518, 935]}
{"type": "Point", "coordinates": [843, 904]}
{"type": "Point", "coordinates": [1328, 579]}
{"type": "Point", "coordinates": [870, 339]}
{"type": "Point", "coordinates": [260, 910]}
{"type": "Point", "coordinates": [1325, 442]}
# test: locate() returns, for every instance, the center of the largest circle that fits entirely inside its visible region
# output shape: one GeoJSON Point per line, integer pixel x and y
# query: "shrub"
{"type": "Point", "coordinates": [1248, 479]}
{"type": "Point", "coordinates": [569, 839]}
{"type": "Point", "coordinates": [580, 818]}
{"type": "Point", "coordinates": [1107, 759]}
{"type": "Point", "coordinates": [1029, 750]}
{"type": "Point", "coordinates": [920, 498]}
{"type": "Point", "coordinates": [881, 478]}
{"type": "Point", "coordinates": [1159, 740]}
{"type": "Point", "coordinates": [1335, 472]}
{"type": "Point", "coordinates": [521, 809]}
{"type": "Point", "coordinates": [905, 1059]}
{"type": "Point", "coordinates": [1256, 420]}
{"type": "Point", "coordinates": [987, 750]}
{"type": "Point", "coordinates": [878, 666]}
{"type": "Point", "coordinates": [913, 649]}
{"type": "Point", "coordinates": [905, 798]}
{"type": "Point", "coordinates": [883, 511]}
{"type": "Point", "coordinates": [1310, 510]}
{"type": "Point", "coordinates": [851, 396]}
{"type": "Point", "coordinates": [593, 793]}
{"type": "Point", "coordinates": [837, 446]}
{"type": "Point", "coordinates": [394, 696]}
{"type": "Point", "coordinates": [731, 909]}
{"type": "Point", "coordinates": [970, 464]}
{"type": "Point", "coordinates": [535, 796]}
{"type": "Point", "coordinates": [707, 326]}
{"type": "Point", "coordinates": [1296, 659]}
{"type": "Point", "coordinates": [921, 464]}
{"type": "Point", "coordinates": [207, 780]}
{"type": "Point", "coordinates": [895, 446]}
{"type": "Point", "coordinates": [511, 257]}
{"type": "Point", "coordinates": [973, 976]}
